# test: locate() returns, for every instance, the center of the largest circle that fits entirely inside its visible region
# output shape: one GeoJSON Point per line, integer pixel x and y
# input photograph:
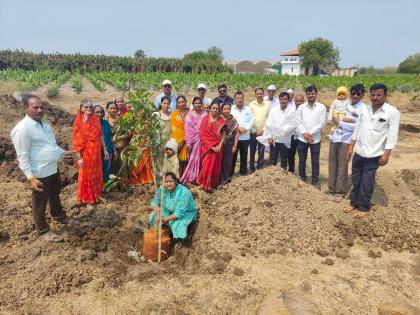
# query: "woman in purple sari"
{"type": "Point", "coordinates": [192, 139]}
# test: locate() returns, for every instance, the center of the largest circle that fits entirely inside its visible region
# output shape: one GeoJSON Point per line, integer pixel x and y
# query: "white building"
{"type": "Point", "coordinates": [291, 64]}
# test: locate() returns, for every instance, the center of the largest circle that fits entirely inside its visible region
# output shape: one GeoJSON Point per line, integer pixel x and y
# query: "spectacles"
{"type": "Point", "coordinates": [222, 91]}
{"type": "Point", "coordinates": [356, 93]}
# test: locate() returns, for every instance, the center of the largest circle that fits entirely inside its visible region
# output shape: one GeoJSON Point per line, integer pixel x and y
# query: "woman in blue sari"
{"type": "Point", "coordinates": [107, 134]}
{"type": "Point", "coordinates": [179, 208]}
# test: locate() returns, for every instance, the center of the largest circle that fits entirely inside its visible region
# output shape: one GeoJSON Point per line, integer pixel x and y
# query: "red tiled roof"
{"type": "Point", "coordinates": [294, 52]}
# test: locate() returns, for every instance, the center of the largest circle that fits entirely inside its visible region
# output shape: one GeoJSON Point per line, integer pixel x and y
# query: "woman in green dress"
{"type": "Point", "coordinates": [179, 208]}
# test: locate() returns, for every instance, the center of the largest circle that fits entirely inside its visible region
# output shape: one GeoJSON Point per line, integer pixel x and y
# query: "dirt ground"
{"type": "Point", "coordinates": [265, 244]}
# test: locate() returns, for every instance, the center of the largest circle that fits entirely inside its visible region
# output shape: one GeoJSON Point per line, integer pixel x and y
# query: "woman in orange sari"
{"type": "Point", "coordinates": [212, 134]}
{"type": "Point", "coordinates": [178, 131]}
{"type": "Point", "coordinates": [142, 173]}
{"type": "Point", "coordinates": [87, 143]}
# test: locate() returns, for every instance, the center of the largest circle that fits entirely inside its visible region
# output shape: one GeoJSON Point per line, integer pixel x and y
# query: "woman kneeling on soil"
{"type": "Point", "coordinates": [179, 208]}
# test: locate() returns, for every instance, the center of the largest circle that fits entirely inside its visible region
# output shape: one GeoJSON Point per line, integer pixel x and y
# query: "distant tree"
{"type": "Point", "coordinates": [318, 53]}
{"type": "Point", "coordinates": [139, 54]}
{"type": "Point", "coordinates": [411, 64]}
{"type": "Point", "coordinates": [216, 52]}
{"type": "Point", "coordinates": [196, 56]}
{"type": "Point", "coordinates": [370, 70]}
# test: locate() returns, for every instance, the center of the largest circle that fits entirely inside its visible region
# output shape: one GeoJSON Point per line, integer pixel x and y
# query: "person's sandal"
{"type": "Point", "coordinates": [348, 208]}
{"type": "Point", "coordinates": [360, 214]}
{"type": "Point", "coordinates": [70, 221]}
{"type": "Point", "coordinates": [51, 237]}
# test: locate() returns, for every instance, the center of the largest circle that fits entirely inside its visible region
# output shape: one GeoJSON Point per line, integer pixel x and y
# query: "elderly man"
{"type": "Point", "coordinates": [167, 91]}
{"type": "Point", "coordinates": [299, 100]}
{"type": "Point", "coordinates": [310, 118]}
{"type": "Point", "coordinates": [38, 155]}
{"type": "Point", "coordinates": [223, 97]}
{"type": "Point", "coordinates": [280, 125]}
{"type": "Point", "coordinates": [271, 97]}
{"type": "Point", "coordinates": [340, 141]}
{"type": "Point", "coordinates": [375, 136]}
{"type": "Point", "coordinates": [202, 90]}
{"type": "Point", "coordinates": [259, 109]}
{"type": "Point", "coordinates": [291, 96]}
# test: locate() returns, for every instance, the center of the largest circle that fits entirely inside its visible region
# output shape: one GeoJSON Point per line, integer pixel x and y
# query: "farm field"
{"type": "Point", "coordinates": [262, 236]}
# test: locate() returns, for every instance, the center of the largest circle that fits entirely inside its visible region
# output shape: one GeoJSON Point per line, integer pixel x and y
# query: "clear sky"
{"type": "Point", "coordinates": [367, 32]}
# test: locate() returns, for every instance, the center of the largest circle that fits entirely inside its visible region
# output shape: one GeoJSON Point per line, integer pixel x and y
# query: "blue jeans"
{"type": "Point", "coordinates": [303, 154]}
{"type": "Point", "coordinates": [363, 178]}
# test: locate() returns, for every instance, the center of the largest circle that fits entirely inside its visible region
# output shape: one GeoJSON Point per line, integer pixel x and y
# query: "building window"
{"type": "Point", "coordinates": [292, 69]}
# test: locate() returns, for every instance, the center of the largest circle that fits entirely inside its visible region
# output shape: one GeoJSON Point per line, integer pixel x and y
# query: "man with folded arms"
{"type": "Point", "coordinates": [38, 154]}
{"type": "Point", "coordinates": [166, 91]}
{"type": "Point", "coordinates": [375, 136]}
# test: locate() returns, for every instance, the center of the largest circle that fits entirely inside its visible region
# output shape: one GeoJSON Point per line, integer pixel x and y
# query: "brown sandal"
{"type": "Point", "coordinates": [349, 208]}
{"type": "Point", "coordinates": [360, 214]}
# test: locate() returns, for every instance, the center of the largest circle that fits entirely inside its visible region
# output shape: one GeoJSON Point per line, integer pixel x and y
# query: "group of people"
{"type": "Point", "coordinates": [202, 141]}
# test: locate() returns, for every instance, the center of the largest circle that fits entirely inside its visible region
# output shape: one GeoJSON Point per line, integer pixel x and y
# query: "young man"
{"type": "Point", "coordinates": [259, 109]}
{"type": "Point", "coordinates": [280, 125]}
{"type": "Point", "coordinates": [375, 136]}
{"type": "Point", "coordinates": [245, 121]}
{"type": "Point", "coordinates": [340, 141]}
{"type": "Point", "coordinates": [38, 155]}
{"type": "Point", "coordinates": [223, 97]}
{"type": "Point", "coordinates": [167, 91]}
{"type": "Point", "coordinates": [271, 96]}
{"type": "Point", "coordinates": [310, 118]}
{"type": "Point", "coordinates": [299, 100]}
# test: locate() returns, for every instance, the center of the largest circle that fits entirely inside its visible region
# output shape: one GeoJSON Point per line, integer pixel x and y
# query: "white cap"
{"type": "Point", "coordinates": [202, 86]}
{"type": "Point", "coordinates": [272, 87]}
{"type": "Point", "coordinates": [171, 144]}
{"type": "Point", "coordinates": [166, 82]}
{"type": "Point", "coordinates": [290, 91]}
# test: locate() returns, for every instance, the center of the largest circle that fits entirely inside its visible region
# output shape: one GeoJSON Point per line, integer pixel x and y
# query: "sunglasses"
{"type": "Point", "coordinates": [222, 91]}
{"type": "Point", "coordinates": [87, 106]}
{"type": "Point", "coordinates": [201, 89]}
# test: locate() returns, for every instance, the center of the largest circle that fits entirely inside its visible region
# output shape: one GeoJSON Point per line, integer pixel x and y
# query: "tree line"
{"type": "Point", "coordinates": [210, 61]}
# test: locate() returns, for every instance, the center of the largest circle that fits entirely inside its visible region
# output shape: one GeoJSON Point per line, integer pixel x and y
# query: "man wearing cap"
{"type": "Point", "coordinates": [299, 100]}
{"type": "Point", "coordinates": [167, 91]}
{"type": "Point", "coordinates": [291, 97]}
{"type": "Point", "coordinates": [270, 97]}
{"type": "Point", "coordinates": [223, 97]}
{"type": "Point", "coordinates": [202, 90]}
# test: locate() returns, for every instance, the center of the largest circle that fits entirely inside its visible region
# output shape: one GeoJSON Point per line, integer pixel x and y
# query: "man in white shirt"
{"type": "Point", "coordinates": [38, 155]}
{"type": "Point", "coordinates": [310, 118]}
{"type": "Point", "coordinates": [340, 141]}
{"type": "Point", "coordinates": [291, 97]}
{"type": "Point", "coordinates": [299, 100]}
{"type": "Point", "coordinates": [280, 125]}
{"type": "Point", "coordinates": [375, 136]}
{"type": "Point", "coordinates": [167, 91]}
{"type": "Point", "coordinates": [245, 121]}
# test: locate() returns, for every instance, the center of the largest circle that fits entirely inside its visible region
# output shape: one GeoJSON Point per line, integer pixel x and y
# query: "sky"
{"type": "Point", "coordinates": [367, 32]}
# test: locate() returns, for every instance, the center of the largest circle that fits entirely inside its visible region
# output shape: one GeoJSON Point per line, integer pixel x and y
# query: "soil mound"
{"type": "Point", "coordinates": [272, 211]}
{"type": "Point", "coordinates": [11, 112]}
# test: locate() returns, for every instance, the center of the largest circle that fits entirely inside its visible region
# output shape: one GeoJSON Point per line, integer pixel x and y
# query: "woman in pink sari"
{"type": "Point", "coordinates": [192, 139]}
{"type": "Point", "coordinates": [213, 135]}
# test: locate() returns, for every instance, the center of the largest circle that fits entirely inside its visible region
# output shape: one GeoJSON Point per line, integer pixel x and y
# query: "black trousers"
{"type": "Point", "coordinates": [303, 154]}
{"type": "Point", "coordinates": [283, 151]}
{"type": "Point", "coordinates": [363, 178]}
{"type": "Point", "coordinates": [51, 195]}
{"type": "Point", "coordinates": [292, 153]}
{"type": "Point", "coordinates": [243, 152]}
{"type": "Point", "coordinates": [254, 147]}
